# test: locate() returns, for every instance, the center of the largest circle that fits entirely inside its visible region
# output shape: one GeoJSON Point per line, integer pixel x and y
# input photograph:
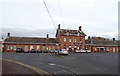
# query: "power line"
{"type": "Point", "coordinates": [59, 6]}
{"type": "Point", "coordinates": [49, 13]}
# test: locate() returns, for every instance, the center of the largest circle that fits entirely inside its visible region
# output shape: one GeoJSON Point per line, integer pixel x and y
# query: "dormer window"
{"type": "Point", "coordinates": [78, 34]}
{"type": "Point", "coordinates": [67, 32]}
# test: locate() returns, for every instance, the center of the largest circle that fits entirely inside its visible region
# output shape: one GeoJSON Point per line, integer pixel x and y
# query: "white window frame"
{"type": "Point", "coordinates": [75, 40]}
{"type": "Point", "coordinates": [14, 47]}
{"type": "Point", "coordinates": [38, 47]}
{"type": "Point", "coordinates": [75, 46]}
{"type": "Point", "coordinates": [65, 39]}
{"type": "Point", "coordinates": [31, 47]}
{"type": "Point", "coordinates": [8, 47]}
{"type": "Point", "coordinates": [26, 47]}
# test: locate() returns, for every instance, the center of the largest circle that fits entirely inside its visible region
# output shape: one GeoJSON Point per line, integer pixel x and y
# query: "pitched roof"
{"type": "Point", "coordinates": [31, 40]}
{"type": "Point", "coordinates": [71, 32]}
{"type": "Point", "coordinates": [101, 42]}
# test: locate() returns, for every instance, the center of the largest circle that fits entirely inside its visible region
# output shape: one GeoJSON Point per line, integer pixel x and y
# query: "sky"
{"type": "Point", "coordinates": [29, 18]}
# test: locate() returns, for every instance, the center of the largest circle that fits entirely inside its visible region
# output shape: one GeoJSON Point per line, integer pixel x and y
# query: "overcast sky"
{"type": "Point", "coordinates": [30, 17]}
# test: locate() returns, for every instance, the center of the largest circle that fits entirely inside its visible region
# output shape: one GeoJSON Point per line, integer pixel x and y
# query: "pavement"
{"type": "Point", "coordinates": [74, 63]}
{"type": "Point", "coordinates": [13, 68]}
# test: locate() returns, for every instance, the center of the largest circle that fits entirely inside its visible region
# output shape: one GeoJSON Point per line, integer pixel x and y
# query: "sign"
{"type": "Point", "coordinates": [78, 43]}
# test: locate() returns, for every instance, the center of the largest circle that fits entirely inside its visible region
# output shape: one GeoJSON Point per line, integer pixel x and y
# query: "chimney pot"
{"type": "Point", "coordinates": [59, 26]}
{"type": "Point", "coordinates": [47, 35]}
{"type": "Point", "coordinates": [8, 34]}
{"type": "Point", "coordinates": [113, 39]}
{"type": "Point", "coordinates": [88, 37]}
{"type": "Point", "coordinates": [80, 27]}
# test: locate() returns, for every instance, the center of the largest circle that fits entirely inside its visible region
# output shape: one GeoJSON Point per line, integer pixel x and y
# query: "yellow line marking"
{"type": "Point", "coordinates": [39, 71]}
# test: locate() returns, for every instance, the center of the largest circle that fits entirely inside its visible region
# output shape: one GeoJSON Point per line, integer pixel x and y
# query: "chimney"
{"type": "Point", "coordinates": [113, 39]}
{"type": "Point", "coordinates": [47, 35]}
{"type": "Point", "coordinates": [80, 28]}
{"type": "Point", "coordinates": [88, 37]}
{"type": "Point", "coordinates": [59, 26]}
{"type": "Point", "coordinates": [8, 34]}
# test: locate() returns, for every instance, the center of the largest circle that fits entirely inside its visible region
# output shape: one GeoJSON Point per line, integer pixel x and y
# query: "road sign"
{"type": "Point", "coordinates": [78, 43]}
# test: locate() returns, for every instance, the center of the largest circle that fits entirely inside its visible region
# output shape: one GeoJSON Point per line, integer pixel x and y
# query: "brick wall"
{"type": "Point", "coordinates": [49, 46]}
{"type": "Point", "coordinates": [67, 43]}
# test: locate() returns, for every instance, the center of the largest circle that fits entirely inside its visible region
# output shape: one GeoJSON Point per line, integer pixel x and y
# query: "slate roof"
{"type": "Point", "coordinates": [101, 42]}
{"type": "Point", "coordinates": [31, 40]}
{"type": "Point", "coordinates": [72, 32]}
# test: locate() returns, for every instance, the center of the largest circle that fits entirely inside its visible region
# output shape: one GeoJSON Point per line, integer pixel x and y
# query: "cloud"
{"type": "Point", "coordinates": [20, 32]}
{"type": "Point", "coordinates": [30, 18]}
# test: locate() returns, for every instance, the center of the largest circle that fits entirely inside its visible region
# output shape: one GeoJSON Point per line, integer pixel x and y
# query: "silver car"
{"type": "Point", "coordinates": [63, 52]}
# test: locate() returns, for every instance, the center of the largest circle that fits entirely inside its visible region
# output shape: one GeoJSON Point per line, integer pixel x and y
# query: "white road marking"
{"type": "Point", "coordinates": [74, 71]}
{"type": "Point", "coordinates": [66, 72]}
{"type": "Point", "coordinates": [51, 64]}
{"type": "Point", "coordinates": [64, 67]}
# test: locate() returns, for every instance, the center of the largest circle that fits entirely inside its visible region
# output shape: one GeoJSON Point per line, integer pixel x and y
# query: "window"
{"type": "Point", "coordinates": [31, 47]}
{"type": "Point", "coordinates": [14, 47]}
{"type": "Point", "coordinates": [70, 46]}
{"type": "Point", "coordinates": [38, 47]}
{"type": "Point", "coordinates": [49, 47]}
{"type": "Point", "coordinates": [80, 39]}
{"type": "Point", "coordinates": [8, 47]}
{"type": "Point", "coordinates": [80, 48]}
{"type": "Point", "coordinates": [64, 47]}
{"type": "Point", "coordinates": [75, 46]}
{"type": "Point", "coordinates": [78, 34]}
{"type": "Point", "coordinates": [70, 40]}
{"type": "Point", "coordinates": [26, 47]}
{"type": "Point", "coordinates": [75, 40]}
{"type": "Point", "coordinates": [0, 45]}
{"type": "Point", "coordinates": [65, 39]}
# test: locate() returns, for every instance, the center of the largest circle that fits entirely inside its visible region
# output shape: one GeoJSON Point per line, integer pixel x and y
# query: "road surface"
{"type": "Point", "coordinates": [74, 63]}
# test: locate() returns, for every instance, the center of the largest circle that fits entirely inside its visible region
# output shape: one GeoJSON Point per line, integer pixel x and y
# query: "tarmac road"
{"type": "Point", "coordinates": [74, 63]}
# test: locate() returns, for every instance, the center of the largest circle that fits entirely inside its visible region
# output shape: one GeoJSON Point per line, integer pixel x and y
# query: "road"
{"type": "Point", "coordinates": [74, 63]}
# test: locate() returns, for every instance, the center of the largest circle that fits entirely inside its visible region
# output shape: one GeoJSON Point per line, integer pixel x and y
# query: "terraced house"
{"type": "Point", "coordinates": [98, 44]}
{"type": "Point", "coordinates": [28, 43]}
{"type": "Point", "coordinates": [64, 39]}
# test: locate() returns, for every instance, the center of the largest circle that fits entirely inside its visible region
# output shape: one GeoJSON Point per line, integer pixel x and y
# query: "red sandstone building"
{"type": "Point", "coordinates": [65, 39]}
{"type": "Point", "coordinates": [28, 43]}
{"type": "Point", "coordinates": [71, 39]}
{"type": "Point", "coordinates": [98, 44]}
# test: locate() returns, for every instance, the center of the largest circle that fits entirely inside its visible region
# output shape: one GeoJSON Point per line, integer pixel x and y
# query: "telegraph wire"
{"type": "Point", "coordinates": [59, 6]}
{"type": "Point", "coordinates": [50, 7]}
{"type": "Point", "coordinates": [49, 13]}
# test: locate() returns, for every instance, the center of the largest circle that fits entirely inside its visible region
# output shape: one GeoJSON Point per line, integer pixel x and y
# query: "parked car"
{"type": "Point", "coordinates": [39, 51]}
{"type": "Point", "coordinates": [19, 50]}
{"type": "Point", "coordinates": [26, 51]}
{"type": "Point", "coordinates": [51, 51]}
{"type": "Point", "coordinates": [88, 51]}
{"type": "Point", "coordinates": [56, 51]}
{"type": "Point", "coordinates": [63, 52]}
{"type": "Point", "coordinates": [32, 51]}
{"type": "Point", "coordinates": [45, 51]}
{"type": "Point", "coordinates": [82, 51]}
{"type": "Point", "coordinates": [77, 51]}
